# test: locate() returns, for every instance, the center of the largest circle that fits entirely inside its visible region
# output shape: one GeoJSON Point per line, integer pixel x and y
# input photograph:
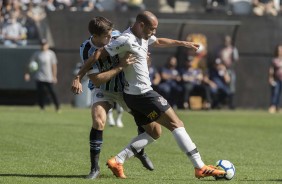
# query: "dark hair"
{"type": "Point", "coordinates": [99, 25]}
{"type": "Point", "coordinates": [277, 50]}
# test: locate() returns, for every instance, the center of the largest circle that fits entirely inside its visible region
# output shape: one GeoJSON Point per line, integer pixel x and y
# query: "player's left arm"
{"type": "Point", "coordinates": [76, 83]}
{"type": "Point", "coordinates": [166, 42]}
{"type": "Point", "coordinates": [54, 72]}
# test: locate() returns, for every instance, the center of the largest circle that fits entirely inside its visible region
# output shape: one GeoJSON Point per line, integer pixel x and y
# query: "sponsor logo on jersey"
{"type": "Point", "coordinates": [99, 95]}
{"type": "Point", "coordinates": [153, 115]}
{"type": "Point", "coordinates": [162, 100]}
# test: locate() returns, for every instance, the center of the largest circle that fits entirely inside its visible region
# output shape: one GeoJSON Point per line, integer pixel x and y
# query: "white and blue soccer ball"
{"type": "Point", "coordinates": [33, 66]}
{"type": "Point", "coordinates": [228, 167]}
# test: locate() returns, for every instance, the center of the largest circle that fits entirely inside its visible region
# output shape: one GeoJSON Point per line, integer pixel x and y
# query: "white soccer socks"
{"type": "Point", "coordinates": [136, 144]}
{"type": "Point", "coordinates": [186, 145]}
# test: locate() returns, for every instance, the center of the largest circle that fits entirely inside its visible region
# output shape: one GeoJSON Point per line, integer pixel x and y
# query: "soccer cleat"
{"type": "Point", "coordinates": [94, 174]}
{"type": "Point", "coordinates": [208, 171]}
{"type": "Point", "coordinates": [147, 163]}
{"type": "Point", "coordinates": [116, 168]}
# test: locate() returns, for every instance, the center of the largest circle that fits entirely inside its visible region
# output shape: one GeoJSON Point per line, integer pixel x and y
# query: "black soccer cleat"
{"type": "Point", "coordinates": [147, 163]}
{"type": "Point", "coordinates": [94, 174]}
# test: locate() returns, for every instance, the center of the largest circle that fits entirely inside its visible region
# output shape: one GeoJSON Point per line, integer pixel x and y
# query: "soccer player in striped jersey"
{"type": "Point", "coordinates": [106, 84]}
{"type": "Point", "coordinates": [147, 106]}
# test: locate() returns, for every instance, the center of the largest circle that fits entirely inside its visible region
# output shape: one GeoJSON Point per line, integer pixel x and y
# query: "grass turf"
{"type": "Point", "coordinates": [46, 147]}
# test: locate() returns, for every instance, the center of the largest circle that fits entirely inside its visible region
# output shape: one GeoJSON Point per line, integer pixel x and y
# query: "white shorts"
{"type": "Point", "coordinates": [98, 95]}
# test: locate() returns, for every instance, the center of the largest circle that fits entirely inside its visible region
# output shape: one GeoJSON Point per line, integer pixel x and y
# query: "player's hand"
{"type": "Point", "coordinates": [127, 60]}
{"type": "Point", "coordinates": [191, 45]}
{"type": "Point", "coordinates": [76, 86]}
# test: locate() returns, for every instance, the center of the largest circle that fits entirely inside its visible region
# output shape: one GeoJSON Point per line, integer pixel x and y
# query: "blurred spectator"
{"type": "Point", "coordinates": [45, 61]}
{"type": "Point", "coordinates": [87, 5]}
{"type": "Point", "coordinates": [35, 14]}
{"type": "Point", "coordinates": [170, 79]}
{"type": "Point", "coordinates": [134, 5]}
{"type": "Point", "coordinates": [6, 9]}
{"type": "Point", "coordinates": [264, 7]}
{"type": "Point", "coordinates": [154, 75]}
{"type": "Point", "coordinates": [62, 4]}
{"type": "Point", "coordinates": [198, 60]}
{"type": "Point", "coordinates": [14, 33]}
{"type": "Point", "coordinates": [229, 55]}
{"type": "Point", "coordinates": [121, 5]}
{"type": "Point", "coordinates": [49, 5]}
{"type": "Point", "coordinates": [275, 79]}
{"type": "Point", "coordinates": [193, 84]}
{"type": "Point", "coordinates": [1, 24]}
{"type": "Point", "coordinates": [278, 5]}
{"type": "Point", "coordinates": [220, 90]}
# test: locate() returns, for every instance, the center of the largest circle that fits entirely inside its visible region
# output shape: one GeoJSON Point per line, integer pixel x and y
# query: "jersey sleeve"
{"type": "Point", "coordinates": [54, 57]}
{"type": "Point", "coordinates": [117, 46]}
{"type": "Point", "coordinates": [84, 57]}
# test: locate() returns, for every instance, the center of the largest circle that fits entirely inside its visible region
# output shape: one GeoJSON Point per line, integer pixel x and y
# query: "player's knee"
{"type": "Point", "coordinates": [98, 123]}
{"type": "Point", "coordinates": [156, 132]}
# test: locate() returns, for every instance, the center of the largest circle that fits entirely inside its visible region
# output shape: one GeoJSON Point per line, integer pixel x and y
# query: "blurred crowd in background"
{"type": "Point", "coordinates": [20, 20]}
{"type": "Point", "coordinates": [197, 84]}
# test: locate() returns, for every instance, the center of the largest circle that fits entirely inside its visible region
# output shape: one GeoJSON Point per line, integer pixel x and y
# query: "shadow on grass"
{"type": "Point", "coordinates": [42, 176]}
{"type": "Point", "coordinates": [274, 180]}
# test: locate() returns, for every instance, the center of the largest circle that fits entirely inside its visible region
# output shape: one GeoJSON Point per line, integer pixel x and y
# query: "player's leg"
{"type": "Point", "coordinates": [140, 154]}
{"type": "Point", "coordinates": [99, 115]}
{"type": "Point", "coordinates": [170, 120]}
{"type": "Point", "coordinates": [136, 145]}
{"type": "Point", "coordinates": [40, 94]}
{"type": "Point", "coordinates": [119, 115]}
{"type": "Point", "coordinates": [50, 89]}
{"type": "Point", "coordinates": [153, 106]}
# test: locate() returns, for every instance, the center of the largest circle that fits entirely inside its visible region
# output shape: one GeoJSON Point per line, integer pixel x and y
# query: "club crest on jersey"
{"type": "Point", "coordinates": [99, 95]}
{"type": "Point", "coordinates": [162, 100]}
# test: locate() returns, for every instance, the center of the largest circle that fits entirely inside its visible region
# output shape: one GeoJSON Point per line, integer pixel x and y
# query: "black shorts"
{"type": "Point", "coordinates": [147, 107]}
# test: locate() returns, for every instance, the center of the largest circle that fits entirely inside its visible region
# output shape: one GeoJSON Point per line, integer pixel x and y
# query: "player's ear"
{"type": "Point", "coordinates": [95, 35]}
{"type": "Point", "coordinates": [142, 25]}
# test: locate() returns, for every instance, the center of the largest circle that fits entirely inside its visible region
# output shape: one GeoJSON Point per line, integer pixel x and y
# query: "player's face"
{"type": "Point", "coordinates": [149, 30]}
{"type": "Point", "coordinates": [103, 39]}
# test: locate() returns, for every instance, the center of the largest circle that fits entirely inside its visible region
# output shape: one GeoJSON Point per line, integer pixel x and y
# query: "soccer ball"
{"type": "Point", "coordinates": [228, 167]}
{"type": "Point", "coordinates": [33, 66]}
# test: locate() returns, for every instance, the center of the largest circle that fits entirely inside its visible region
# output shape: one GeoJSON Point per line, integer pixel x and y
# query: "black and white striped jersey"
{"type": "Point", "coordinates": [116, 84]}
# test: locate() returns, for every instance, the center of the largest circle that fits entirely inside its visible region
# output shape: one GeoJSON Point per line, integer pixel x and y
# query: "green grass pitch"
{"type": "Point", "coordinates": [45, 147]}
